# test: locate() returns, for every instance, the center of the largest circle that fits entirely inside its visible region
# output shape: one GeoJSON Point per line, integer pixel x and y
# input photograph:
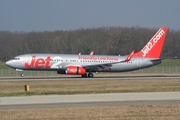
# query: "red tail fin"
{"type": "Point", "coordinates": [154, 47]}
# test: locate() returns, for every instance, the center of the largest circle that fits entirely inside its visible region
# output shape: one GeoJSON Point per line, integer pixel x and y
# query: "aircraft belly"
{"type": "Point", "coordinates": [124, 67]}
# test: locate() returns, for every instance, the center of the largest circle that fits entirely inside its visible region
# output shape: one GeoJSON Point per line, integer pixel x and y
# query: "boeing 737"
{"type": "Point", "coordinates": [85, 65]}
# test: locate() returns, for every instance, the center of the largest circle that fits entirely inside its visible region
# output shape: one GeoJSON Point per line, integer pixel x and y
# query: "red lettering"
{"type": "Point", "coordinates": [48, 61]}
{"type": "Point", "coordinates": [32, 62]}
{"type": "Point", "coordinates": [39, 63]}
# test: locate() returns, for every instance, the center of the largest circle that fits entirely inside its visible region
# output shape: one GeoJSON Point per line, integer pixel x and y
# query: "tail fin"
{"type": "Point", "coordinates": [154, 47]}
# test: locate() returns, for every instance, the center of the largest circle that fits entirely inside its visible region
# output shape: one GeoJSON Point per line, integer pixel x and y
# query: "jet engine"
{"type": "Point", "coordinates": [75, 70]}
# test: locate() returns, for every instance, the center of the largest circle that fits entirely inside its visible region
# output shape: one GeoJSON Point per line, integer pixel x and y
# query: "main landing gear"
{"type": "Point", "coordinates": [90, 75]}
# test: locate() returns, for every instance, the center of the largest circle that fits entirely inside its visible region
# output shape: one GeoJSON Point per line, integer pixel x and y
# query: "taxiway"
{"type": "Point", "coordinates": [98, 77]}
{"type": "Point", "coordinates": [88, 100]}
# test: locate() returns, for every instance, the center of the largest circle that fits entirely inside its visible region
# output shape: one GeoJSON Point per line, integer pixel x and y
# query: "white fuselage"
{"type": "Point", "coordinates": [59, 62]}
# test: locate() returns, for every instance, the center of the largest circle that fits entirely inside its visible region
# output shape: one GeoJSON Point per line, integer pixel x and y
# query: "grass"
{"type": "Point", "coordinates": [149, 112]}
{"type": "Point", "coordinates": [86, 86]}
{"type": "Point", "coordinates": [170, 62]}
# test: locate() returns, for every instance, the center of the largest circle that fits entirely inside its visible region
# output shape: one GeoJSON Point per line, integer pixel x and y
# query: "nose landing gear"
{"type": "Point", "coordinates": [20, 70]}
{"type": "Point", "coordinates": [22, 75]}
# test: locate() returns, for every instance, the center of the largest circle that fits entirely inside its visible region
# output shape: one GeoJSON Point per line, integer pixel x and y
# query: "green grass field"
{"type": "Point", "coordinates": [167, 66]}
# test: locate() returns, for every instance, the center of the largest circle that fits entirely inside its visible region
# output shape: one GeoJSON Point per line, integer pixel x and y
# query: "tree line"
{"type": "Point", "coordinates": [104, 40]}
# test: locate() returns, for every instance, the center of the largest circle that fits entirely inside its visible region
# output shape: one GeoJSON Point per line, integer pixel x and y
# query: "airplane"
{"type": "Point", "coordinates": [85, 65]}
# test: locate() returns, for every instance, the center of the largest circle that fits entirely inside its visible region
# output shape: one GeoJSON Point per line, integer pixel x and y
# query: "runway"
{"type": "Point", "coordinates": [89, 100]}
{"type": "Point", "coordinates": [97, 77]}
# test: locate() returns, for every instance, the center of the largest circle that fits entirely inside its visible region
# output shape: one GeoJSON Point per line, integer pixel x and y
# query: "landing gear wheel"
{"type": "Point", "coordinates": [22, 75]}
{"type": "Point", "coordinates": [84, 76]}
{"type": "Point", "coordinates": [90, 75]}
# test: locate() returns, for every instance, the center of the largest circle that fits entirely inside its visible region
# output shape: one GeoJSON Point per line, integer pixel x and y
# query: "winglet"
{"type": "Point", "coordinates": [92, 52]}
{"type": "Point", "coordinates": [129, 56]}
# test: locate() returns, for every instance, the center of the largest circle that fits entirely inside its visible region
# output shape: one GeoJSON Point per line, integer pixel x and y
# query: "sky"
{"type": "Point", "coordinates": [51, 15]}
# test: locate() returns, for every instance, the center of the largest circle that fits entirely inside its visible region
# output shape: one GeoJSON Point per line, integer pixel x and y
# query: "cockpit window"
{"type": "Point", "coordinates": [16, 58]}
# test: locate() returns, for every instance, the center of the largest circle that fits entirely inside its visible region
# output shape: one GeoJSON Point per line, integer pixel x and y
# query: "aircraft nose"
{"type": "Point", "coordinates": [8, 63]}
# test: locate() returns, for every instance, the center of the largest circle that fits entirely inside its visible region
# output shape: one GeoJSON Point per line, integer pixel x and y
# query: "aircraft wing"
{"type": "Point", "coordinates": [105, 65]}
{"type": "Point", "coordinates": [99, 66]}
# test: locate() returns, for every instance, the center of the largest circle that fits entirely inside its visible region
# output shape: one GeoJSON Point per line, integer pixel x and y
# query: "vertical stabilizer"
{"type": "Point", "coordinates": [154, 47]}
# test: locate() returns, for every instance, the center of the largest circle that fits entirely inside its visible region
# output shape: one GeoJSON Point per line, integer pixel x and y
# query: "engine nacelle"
{"type": "Point", "coordinates": [75, 70]}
